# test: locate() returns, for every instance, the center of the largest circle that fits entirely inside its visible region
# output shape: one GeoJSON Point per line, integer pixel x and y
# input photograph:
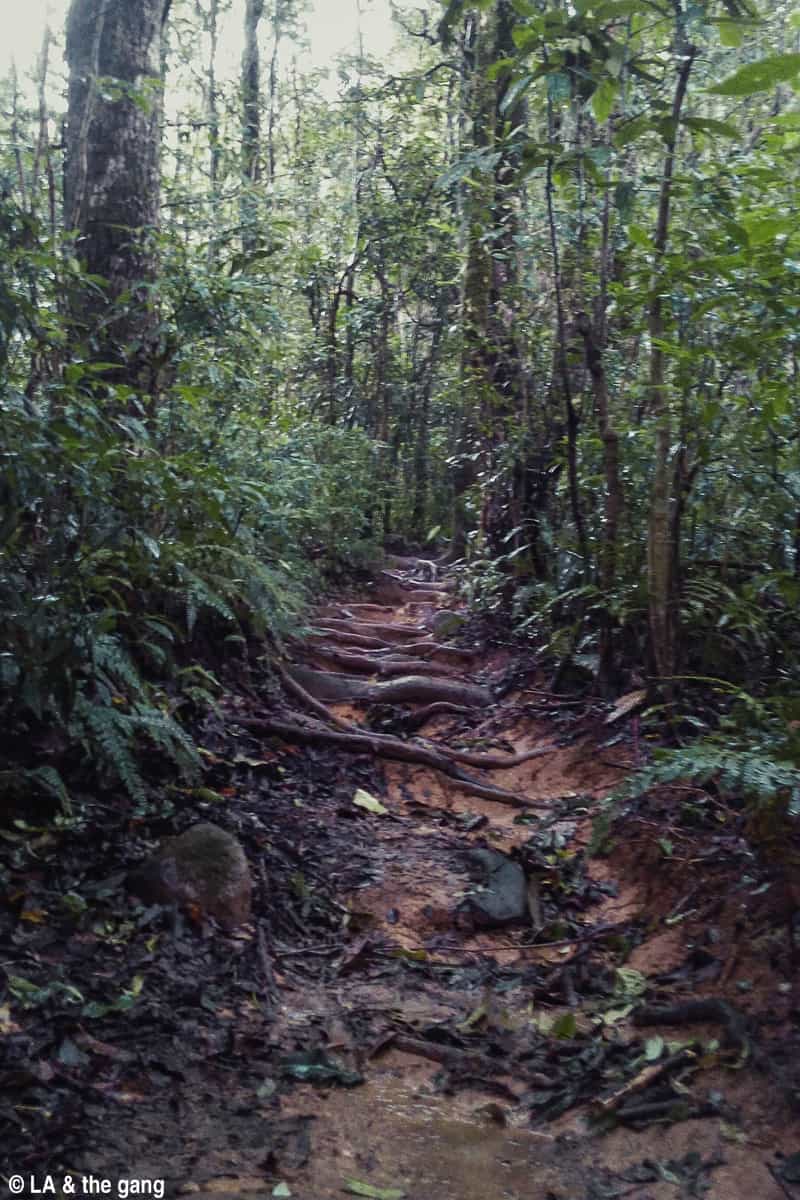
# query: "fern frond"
{"type": "Point", "coordinates": [753, 774]}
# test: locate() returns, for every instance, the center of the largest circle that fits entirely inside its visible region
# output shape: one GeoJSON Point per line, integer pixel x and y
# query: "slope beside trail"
{"type": "Point", "coordinates": [444, 993]}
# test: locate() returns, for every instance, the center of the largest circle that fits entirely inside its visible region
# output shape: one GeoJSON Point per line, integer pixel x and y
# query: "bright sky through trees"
{"type": "Point", "coordinates": [332, 28]}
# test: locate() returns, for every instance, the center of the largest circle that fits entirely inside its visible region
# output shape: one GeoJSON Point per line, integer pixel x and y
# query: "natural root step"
{"type": "Point", "coordinates": [360, 609]}
{"type": "Point", "coordinates": [347, 638]}
{"type": "Point", "coordinates": [386, 747]}
{"type": "Point", "coordinates": [364, 664]}
{"type": "Point", "coordinates": [408, 689]}
{"type": "Point", "coordinates": [389, 633]}
{"type": "Point", "coordinates": [452, 654]}
{"type": "Point", "coordinates": [414, 585]}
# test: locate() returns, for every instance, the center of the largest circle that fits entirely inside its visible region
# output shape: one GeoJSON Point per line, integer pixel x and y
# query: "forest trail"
{"type": "Point", "coordinates": [441, 995]}
{"type": "Point", "coordinates": [460, 888]}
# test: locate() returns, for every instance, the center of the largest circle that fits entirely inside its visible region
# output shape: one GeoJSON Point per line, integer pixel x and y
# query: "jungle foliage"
{"type": "Point", "coordinates": [529, 290]}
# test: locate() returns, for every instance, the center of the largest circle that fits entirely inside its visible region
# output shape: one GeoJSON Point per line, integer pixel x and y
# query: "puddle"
{"type": "Point", "coordinates": [396, 1133]}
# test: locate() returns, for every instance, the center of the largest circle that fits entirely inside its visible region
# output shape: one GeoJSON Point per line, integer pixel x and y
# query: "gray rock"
{"type": "Point", "coordinates": [203, 867]}
{"type": "Point", "coordinates": [503, 898]}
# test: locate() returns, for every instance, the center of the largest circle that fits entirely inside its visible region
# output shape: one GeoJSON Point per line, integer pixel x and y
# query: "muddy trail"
{"type": "Point", "coordinates": [461, 979]}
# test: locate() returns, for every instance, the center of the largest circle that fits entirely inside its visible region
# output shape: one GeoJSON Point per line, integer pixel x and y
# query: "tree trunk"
{"type": "Point", "coordinates": [661, 554]}
{"type": "Point", "coordinates": [212, 117]}
{"type": "Point", "coordinates": [251, 122]}
{"type": "Point", "coordinates": [111, 176]}
{"type": "Point", "coordinates": [478, 99]}
{"type": "Point", "coordinates": [273, 91]}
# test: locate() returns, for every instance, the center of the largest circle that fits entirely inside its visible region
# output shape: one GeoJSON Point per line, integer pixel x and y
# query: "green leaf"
{"type": "Point", "coordinates": [525, 39]}
{"type": "Point", "coordinates": [566, 1026]}
{"type": "Point", "coordinates": [603, 99]}
{"type": "Point", "coordinates": [559, 86]}
{"type": "Point", "coordinates": [629, 983]}
{"type": "Point", "coordinates": [517, 90]}
{"type": "Point", "coordinates": [616, 8]}
{"type": "Point", "coordinates": [653, 1048]}
{"type": "Point", "coordinates": [759, 76]}
{"type": "Point", "coordinates": [631, 130]}
{"type": "Point", "coordinates": [764, 229]}
{"type": "Point", "coordinates": [730, 32]}
{"type": "Point", "coordinates": [707, 125]}
{"type": "Point", "coordinates": [356, 1188]}
{"type": "Point", "coordinates": [363, 799]}
{"type": "Point", "coordinates": [640, 237]}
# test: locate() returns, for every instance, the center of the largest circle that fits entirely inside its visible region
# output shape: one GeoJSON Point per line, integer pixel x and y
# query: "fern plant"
{"type": "Point", "coordinates": [754, 774]}
{"type": "Point", "coordinates": [754, 757]}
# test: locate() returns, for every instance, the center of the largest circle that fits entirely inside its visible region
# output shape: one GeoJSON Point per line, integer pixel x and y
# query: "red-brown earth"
{"type": "Point", "coordinates": [371, 1028]}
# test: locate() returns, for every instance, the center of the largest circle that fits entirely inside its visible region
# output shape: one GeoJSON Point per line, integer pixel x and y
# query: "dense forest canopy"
{"type": "Point", "coordinates": [523, 291]}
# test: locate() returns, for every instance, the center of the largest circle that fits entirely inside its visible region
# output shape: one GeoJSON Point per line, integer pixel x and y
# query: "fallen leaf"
{"type": "Point", "coordinates": [363, 799]}
{"type": "Point", "coordinates": [6, 1024]}
{"type": "Point", "coordinates": [356, 1188]}
{"type": "Point", "coordinates": [626, 704]}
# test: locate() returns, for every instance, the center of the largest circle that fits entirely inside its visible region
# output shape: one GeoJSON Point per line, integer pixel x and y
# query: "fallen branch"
{"type": "Point", "coordinates": [690, 1011]}
{"type": "Point", "coordinates": [385, 746]}
{"type": "Point", "coordinates": [646, 1077]}
{"type": "Point", "coordinates": [462, 1060]}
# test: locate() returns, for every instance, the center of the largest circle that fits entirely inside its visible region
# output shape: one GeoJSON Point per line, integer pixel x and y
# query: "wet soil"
{"type": "Point", "coordinates": [373, 1031]}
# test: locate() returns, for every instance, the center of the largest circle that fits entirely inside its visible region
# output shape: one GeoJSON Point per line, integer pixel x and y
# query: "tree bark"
{"type": "Point", "coordinates": [251, 122]}
{"type": "Point", "coordinates": [661, 554]}
{"type": "Point", "coordinates": [111, 176]}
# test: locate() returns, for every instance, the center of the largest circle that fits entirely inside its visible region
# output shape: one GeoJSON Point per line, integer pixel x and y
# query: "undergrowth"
{"type": "Point", "coordinates": [141, 545]}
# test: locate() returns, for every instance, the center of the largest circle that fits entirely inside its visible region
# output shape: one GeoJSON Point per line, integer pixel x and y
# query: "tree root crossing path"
{"type": "Point", "coordinates": [485, 999]}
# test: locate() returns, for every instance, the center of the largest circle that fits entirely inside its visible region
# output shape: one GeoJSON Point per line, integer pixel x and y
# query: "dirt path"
{"type": "Point", "coordinates": [437, 997]}
{"type": "Point", "coordinates": [479, 988]}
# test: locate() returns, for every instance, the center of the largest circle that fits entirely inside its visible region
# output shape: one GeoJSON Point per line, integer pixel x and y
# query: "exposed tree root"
{"type": "Point", "coordinates": [346, 638]}
{"type": "Point", "coordinates": [373, 629]}
{"type": "Point", "coordinates": [497, 762]}
{"type": "Point", "coordinates": [428, 565]}
{"type": "Point", "coordinates": [409, 689]}
{"type": "Point", "coordinates": [419, 718]}
{"type": "Point", "coordinates": [360, 610]}
{"type": "Point", "coordinates": [395, 592]}
{"type": "Point", "coordinates": [385, 746]}
{"type": "Point", "coordinates": [425, 650]}
{"type": "Point", "coordinates": [362, 664]}
{"type": "Point", "coordinates": [485, 762]}
{"type": "Point", "coordinates": [410, 666]}
{"type": "Point", "coordinates": [298, 692]}
{"type": "Point", "coordinates": [414, 585]}
{"type": "Point", "coordinates": [455, 654]}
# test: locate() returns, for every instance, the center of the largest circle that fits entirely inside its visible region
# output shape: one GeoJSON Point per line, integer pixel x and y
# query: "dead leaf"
{"type": "Point", "coordinates": [625, 705]}
{"type": "Point", "coordinates": [363, 799]}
